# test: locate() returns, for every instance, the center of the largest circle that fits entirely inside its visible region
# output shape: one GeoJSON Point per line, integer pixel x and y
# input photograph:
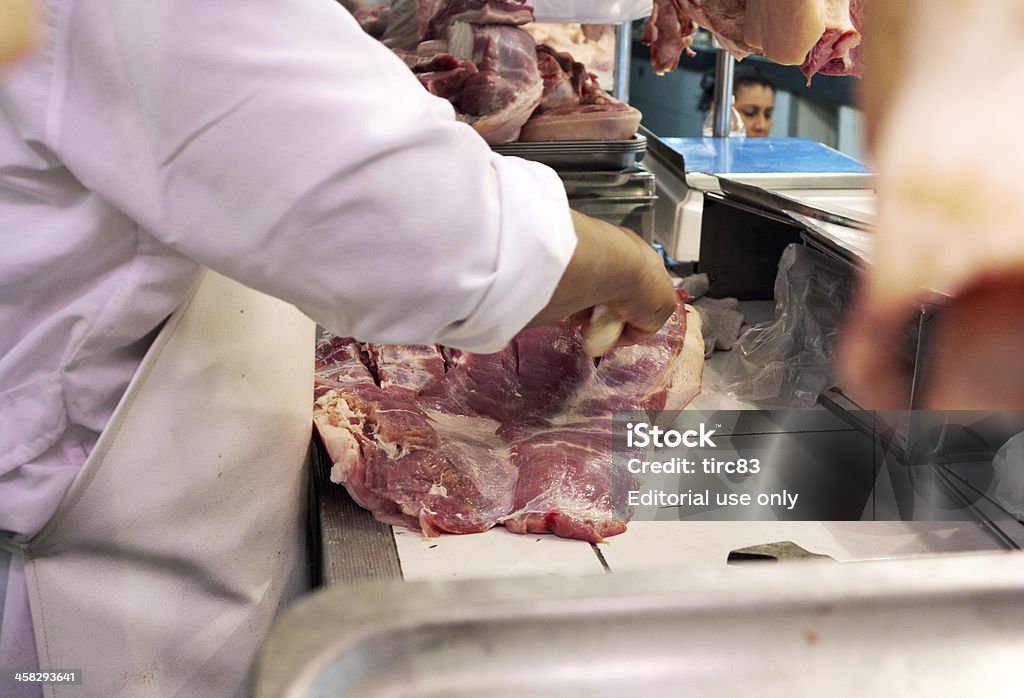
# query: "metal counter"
{"type": "Point", "coordinates": [352, 547]}
{"type": "Point", "coordinates": [881, 608]}
{"type": "Point", "coordinates": [347, 544]}
{"type": "Point", "coordinates": [937, 627]}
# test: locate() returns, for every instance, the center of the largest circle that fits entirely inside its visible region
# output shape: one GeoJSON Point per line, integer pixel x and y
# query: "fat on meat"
{"type": "Point", "coordinates": [479, 12]}
{"type": "Point", "coordinates": [818, 35]}
{"type": "Point", "coordinates": [838, 51]}
{"type": "Point", "coordinates": [477, 55]}
{"type": "Point", "coordinates": [410, 367]}
{"type": "Point", "coordinates": [446, 441]}
{"type": "Point", "coordinates": [573, 105]}
{"type": "Point", "coordinates": [565, 481]}
{"type": "Point", "coordinates": [506, 88]}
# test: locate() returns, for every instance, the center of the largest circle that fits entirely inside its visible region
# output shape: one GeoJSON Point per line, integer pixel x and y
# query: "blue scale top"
{"type": "Point", "coordinates": [762, 155]}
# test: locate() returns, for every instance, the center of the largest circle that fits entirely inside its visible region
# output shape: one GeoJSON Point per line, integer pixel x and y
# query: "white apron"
{"type": "Point", "coordinates": [183, 535]}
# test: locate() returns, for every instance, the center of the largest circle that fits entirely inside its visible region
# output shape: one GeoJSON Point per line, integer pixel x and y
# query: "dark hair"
{"type": "Point", "coordinates": [744, 75]}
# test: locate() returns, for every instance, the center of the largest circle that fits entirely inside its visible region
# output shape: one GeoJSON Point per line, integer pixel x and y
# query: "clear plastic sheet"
{"type": "Point", "coordinates": [590, 11]}
{"type": "Point", "coordinates": [789, 362]}
{"type": "Point", "coordinates": [1008, 477]}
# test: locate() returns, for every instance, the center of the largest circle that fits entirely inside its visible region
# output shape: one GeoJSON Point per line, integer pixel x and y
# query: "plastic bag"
{"type": "Point", "coordinates": [789, 362]}
{"type": "Point", "coordinates": [737, 129]}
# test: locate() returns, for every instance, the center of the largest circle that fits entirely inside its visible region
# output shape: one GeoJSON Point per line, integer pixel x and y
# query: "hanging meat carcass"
{"type": "Point", "coordinates": [821, 36]}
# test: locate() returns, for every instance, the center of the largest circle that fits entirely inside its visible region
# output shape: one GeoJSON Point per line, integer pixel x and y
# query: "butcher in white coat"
{"type": "Point", "coordinates": [185, 186]}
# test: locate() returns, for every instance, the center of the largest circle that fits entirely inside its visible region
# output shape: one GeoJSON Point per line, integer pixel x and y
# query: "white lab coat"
{"type": "Point", "coordinates": [273, 142]}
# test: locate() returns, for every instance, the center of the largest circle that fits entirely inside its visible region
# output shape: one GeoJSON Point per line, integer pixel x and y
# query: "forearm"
{"type": "Point", "coordinates": [326, 176]}
{"type": "Point", "coordinates": [614, 267]}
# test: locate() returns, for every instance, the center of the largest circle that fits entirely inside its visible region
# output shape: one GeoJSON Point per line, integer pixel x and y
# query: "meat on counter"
{"type": "Point", "coordinates": [442, 440]}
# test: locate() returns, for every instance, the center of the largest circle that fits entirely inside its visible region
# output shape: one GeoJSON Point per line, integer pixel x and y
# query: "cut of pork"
{"type": "Point", "coordinates": [565, 481]}
{"type": "Point", "coordinates": [499, 98]}
{"type": "Point", "coordinates": [583, 122]}
{"type": "Point", "coordinates": [479, 12]}
{"type": "Point", "coordinates": [557, 70]}
{"type": "Point", "coordinates": [441, 73]}
{"type": "Point", "coordinates": [818, 35]}
{"type": "Point", "coordinates": [412, 465]}
{"type": "Point", "coordinates": [662, 373]}
{"type": "Point", "coordinates": [441, 440]}
{"type": "Point", "coordinates": [838, 51]}
{"type": "Point", "coordinates": [532, 378]}
{"type": "Point", "coordinates": [573, 105]}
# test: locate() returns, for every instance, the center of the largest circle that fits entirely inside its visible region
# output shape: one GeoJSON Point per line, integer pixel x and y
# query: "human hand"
{"type": "Point", "coordinates": [615, 270]}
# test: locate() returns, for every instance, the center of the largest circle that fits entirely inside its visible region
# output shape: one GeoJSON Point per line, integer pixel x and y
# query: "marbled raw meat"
{"type": "Point", "coordinates": [442, 440]}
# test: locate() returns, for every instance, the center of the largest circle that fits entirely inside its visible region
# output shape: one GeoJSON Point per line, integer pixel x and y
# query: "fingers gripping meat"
{"type": "Point", "coordinates": [614, 267]}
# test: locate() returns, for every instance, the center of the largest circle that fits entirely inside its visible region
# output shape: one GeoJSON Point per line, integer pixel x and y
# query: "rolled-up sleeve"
{"type": "Point", "coordinates": [279, 144]}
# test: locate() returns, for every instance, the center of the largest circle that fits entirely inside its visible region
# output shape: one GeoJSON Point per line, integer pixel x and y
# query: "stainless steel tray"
{"type": "Point", "coordinates": [589, 180]}
{"type": "Point", "coordinates": [634, 182]}
{"type": "Point", "coordinates": [580, 155]}
{"type": "Point", "coordinates": [946, 626]}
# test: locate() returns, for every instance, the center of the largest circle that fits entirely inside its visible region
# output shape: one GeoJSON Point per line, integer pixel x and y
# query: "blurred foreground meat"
{"type": "Point", "coordinates": [950, 206]}
{"type": "Point", "coordinates": [441, 440]}
{"type": "Point", "coordinates": [821, 36]}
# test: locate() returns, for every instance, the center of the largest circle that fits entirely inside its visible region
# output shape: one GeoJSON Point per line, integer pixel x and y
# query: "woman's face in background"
{"type": "Point", "coordinates": [756, 104]}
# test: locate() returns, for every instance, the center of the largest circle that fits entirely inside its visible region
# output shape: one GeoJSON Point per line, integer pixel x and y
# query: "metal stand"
{"type": "Point", "coordinates": [623, 48]}
{"type": "Point", "coordinates": [722, 107]}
